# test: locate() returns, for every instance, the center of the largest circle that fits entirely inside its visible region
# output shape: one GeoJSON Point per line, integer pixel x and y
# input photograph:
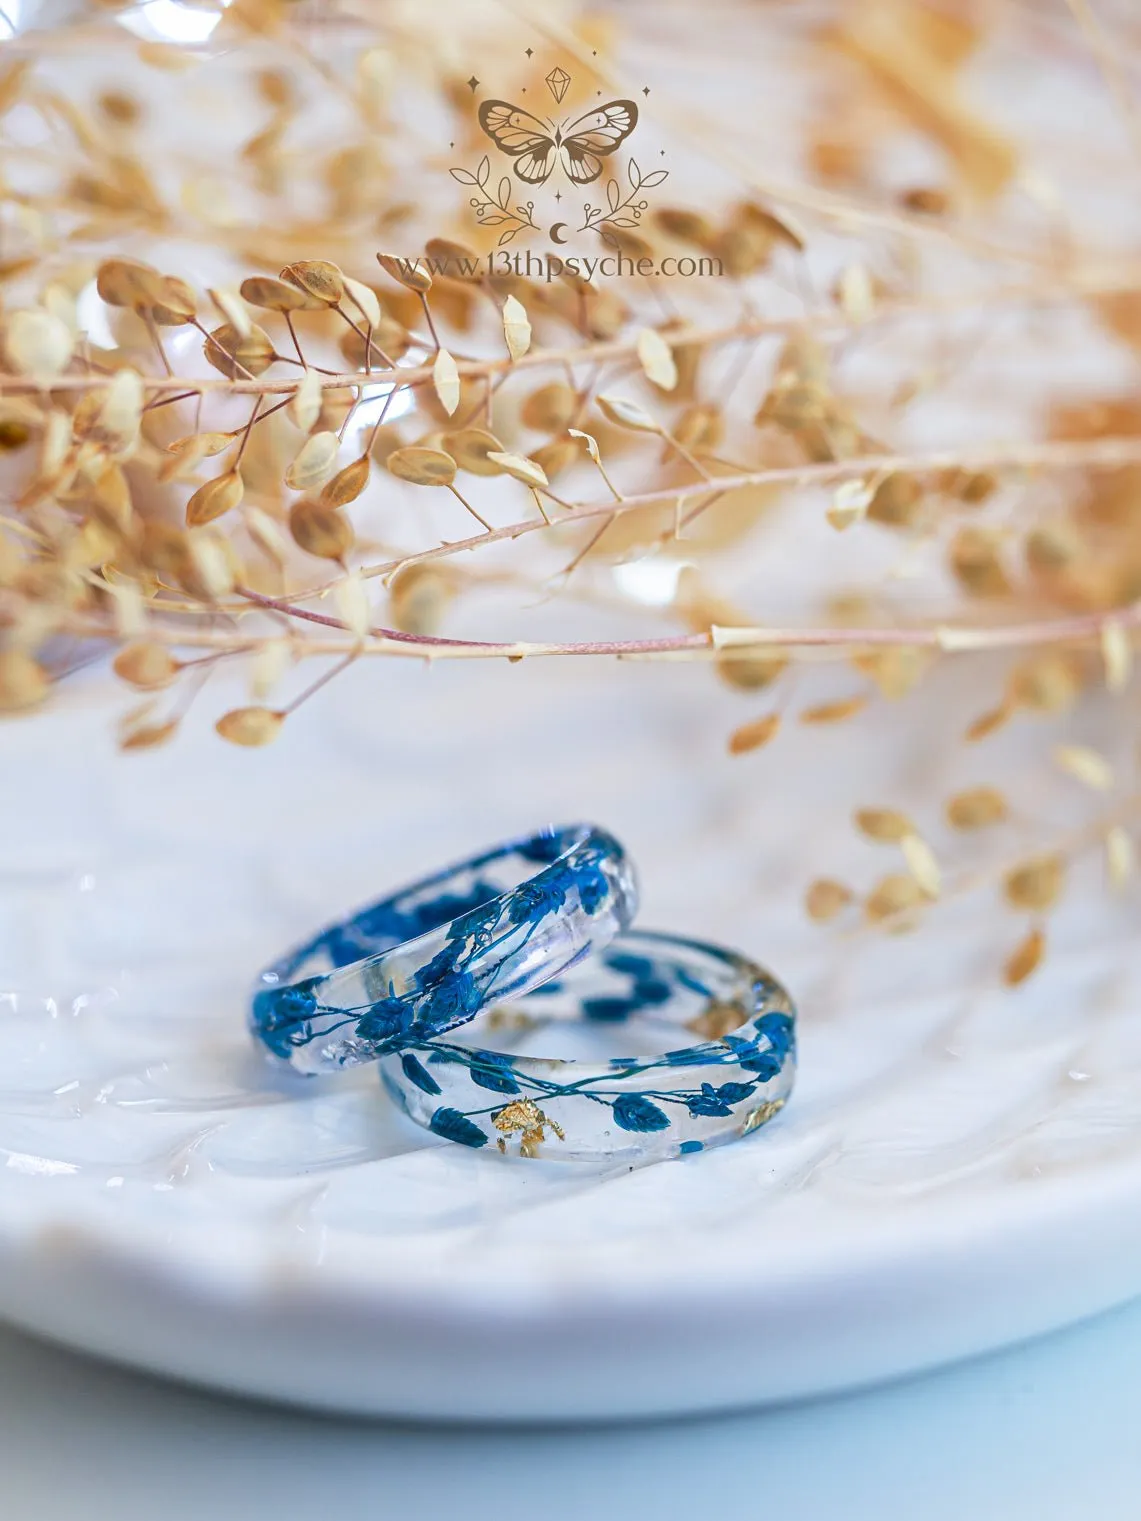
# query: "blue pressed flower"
{"type": "Point", "coordinates": [281, 1016]}
{"type": "Point", "coordinates": [687, 1147]}
{"type": "Point", "coordinates": [478, 924]}
{"type": "Point", "coordinates": [442, 965]}
{"type": "Point", "coordinates": [733, 1093]}
{"type": "Point", "coordinates": [592, 887]}
{"type": "Point", "coordinates": [688, 1056]}
{"type": "Point", "coordinates": [635, 1112]}
{"type": "Point", "coordinates": [384, 925]}
{"type": "Point", "coordinates": [544, 847]}
{"type": "Point", "coordinates": [706, 1103]}
{"type": "Point", "coordinates": [343, 945]}
{"type": "Point", "coordinates": [535, 900]}
{"type": "Point", "coordinates": [766, 1064]}
{"type": "Point", "coordinates": [613, 1009]}
{"type": "Point", "coordinates": [454, 1126]}
{"type": "Point", "coordinates": [651, 991]}
{"type": "Point", "coordinates": [452, 999]}
{"type": "Point", "coordinates": [778, 1028]}
{"type": "Point", "coordinates": [694, 983]}
{"type": "Point", "coordinates": [637, 968]}
{"type": "Point", "coordinates": [388, 1017]}
{"type": "Point", "coordinates": [492, 1070]}
{"type": "Point", "coordinates": [417, 1073]}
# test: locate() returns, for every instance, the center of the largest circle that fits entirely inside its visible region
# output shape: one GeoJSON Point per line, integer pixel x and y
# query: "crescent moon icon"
{"type": "Point", "coordinates": [555, 230]}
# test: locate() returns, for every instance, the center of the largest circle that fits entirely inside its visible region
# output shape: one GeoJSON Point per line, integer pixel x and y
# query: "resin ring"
{"type": "Point", "coordinates": [427, 958]}
{"type": "Point", "coordinates": [655, 1100]}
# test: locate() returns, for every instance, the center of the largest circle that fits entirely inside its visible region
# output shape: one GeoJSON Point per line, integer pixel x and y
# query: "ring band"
{"type": "Point", "coordinates": [423, 960]}
{"type": "Point", "coordinates": [667, 1102]}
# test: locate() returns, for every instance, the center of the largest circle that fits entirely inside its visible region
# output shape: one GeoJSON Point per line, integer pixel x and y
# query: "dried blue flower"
{"type": "Point", "coordinates": [492, 1069]}
{"type": "Point", "coordinates": [634, 1112]}
{"type": "Point", "coordinates": [387, 1018]}
{"type": "Point", "coordinates": [417, 1073]}
{"type": "Point", "coordinates": [454, 1126]}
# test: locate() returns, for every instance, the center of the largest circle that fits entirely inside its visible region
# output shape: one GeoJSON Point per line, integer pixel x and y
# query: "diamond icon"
{"type": "Point", "coordinates": [558, 82]}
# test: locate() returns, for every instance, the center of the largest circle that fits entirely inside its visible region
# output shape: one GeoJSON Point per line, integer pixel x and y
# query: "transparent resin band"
{"type": "Point", "coordinates": [427, 958]}
{"type": "Point", "coordinates": [656, 1100]}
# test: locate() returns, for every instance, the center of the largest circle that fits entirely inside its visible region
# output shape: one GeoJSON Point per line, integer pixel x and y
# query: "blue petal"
{"type": "Point", "coordinates": [495, 1075]}
{"type": "Point", "coordinates": [417, 1073]}
{"type": "Point", "coordinates": [733, 1093]}
{"type": "Point", "coordinates": [634, 1112]}
{"type": "Point", "coordinates": [454, 1126]}
{"type": "Point", "coordinates": [609, 1008]}
{"type": "Point", "coordinates": [766, 1064]}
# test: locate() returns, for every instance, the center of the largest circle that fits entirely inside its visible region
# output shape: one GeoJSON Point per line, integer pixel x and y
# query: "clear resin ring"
{"type": "Point", "coordinates": [667, 1094]}
{"type": "Point", "coordinates": [427, 958]}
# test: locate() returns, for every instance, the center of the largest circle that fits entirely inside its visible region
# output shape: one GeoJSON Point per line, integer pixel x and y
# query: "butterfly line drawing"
{"type": "Point", "coordinates": [537, 147]}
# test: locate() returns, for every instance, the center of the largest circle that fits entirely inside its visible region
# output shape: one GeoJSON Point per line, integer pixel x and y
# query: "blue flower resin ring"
{"type": "Point", "coordinates": [427, 958]}
{"type": "Point", "coordinates": [656, 1100]}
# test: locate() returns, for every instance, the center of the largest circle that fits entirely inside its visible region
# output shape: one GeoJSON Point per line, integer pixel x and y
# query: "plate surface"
{"type": "Point", "coordinates": [958, 1168]}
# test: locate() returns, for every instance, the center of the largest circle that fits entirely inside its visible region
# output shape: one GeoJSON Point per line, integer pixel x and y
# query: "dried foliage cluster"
{"type": "Point", "coordinates": [250, 469]}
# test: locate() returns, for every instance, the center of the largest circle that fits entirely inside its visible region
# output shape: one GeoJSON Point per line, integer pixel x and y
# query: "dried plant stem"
{"type": "Point", "coordinates": [1074, 286]}
{"type": "Point", "coordinates": [1098, 453]}
{"type": "Point", "coordinates": [1083, 629]}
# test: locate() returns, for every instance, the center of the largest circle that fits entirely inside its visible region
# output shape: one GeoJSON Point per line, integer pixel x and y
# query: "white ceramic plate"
{"type": "Point", "coordinates": [957, 1169]}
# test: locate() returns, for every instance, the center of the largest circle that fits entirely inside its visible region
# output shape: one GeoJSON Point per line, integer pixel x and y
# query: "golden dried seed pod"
{"type": "Point", "coordinates": [23, 681]}
{"type": "Point", "coordinates": [626, 414]}
{"type": "Point", "coordinates": [748, 671]}
{"type": "Point", "coordinates": [685, 226]}
{"type": "Point", "coordinates": [976, 808]}
{"type": "Point", "coordinates": [463, 263]}
{"type": "Point", "coordinates": [407, 272]}
{"type": "Point", "coordinates": [627, 242]}
{"type": "Point", "coordinates": [1035, 885]}
{"type": "Point", "coordinates": [419, 597]}
{"type": "Point", "coordinates": [277, 296]}
{"type": "Point", "coordinates": [127, 282]}
{"type": "Point", "coordinates": [148, 736]}
{"type": "Point", "coordinates": [752, 736]}
{"type": "Point", "coordinates": [987, 723]}
{"type": "Point", "coordinates": [317, 278]}
{"type": "Point", "coordinates": [834, 712]}
{"type": "Point", "coordinates": [884, 825]}
{"type": "Point", "coordinates": [423, 467]}
{"type": "Point", "coordinates": [145, 665]}
{"type": "Point", "coordinates": [174, 302]}
{"type": "Point", "coordinates": [251, 726]}
{"type": "Point", "coordinates": [520, 468]}
{"type": "Point", "coordinates": [551, 408]}
{"type": "Point", "coordinates": [894, 898]}
{"type": "Point", "coordinates": [926, 200]}
{"type": "Point", "coordinates": [826, 898]}
{"type": "Point", "coordinates": [347, 484]}
{"type": "Point", "coordinates": [897, 501]}
{"type": "Point", "coordinates": [215, 498]}
{"type": "Point", "coordinates": [559, 455]}
{"type": "Point", "coordinates": [1053, 547]}
{"type": "Point", "coordinates": [701, 426]}
{"type": "Point", "coordinates": [976, 563]}
{"type": "Point", "coordinates": [314, 461]}
{"type": "Point", "coordinates": [470, 448]}
{"type": "Point", "coordinates": [320, 530]}
{"type": "Point", "coordinates": [1025, 958]}
{"type": "Point", "coordinates": [236, 356]}
{"type": "Point", "coordinates": [779, 229]}
{"type": "Point", "coordinates": [1049, 683]}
